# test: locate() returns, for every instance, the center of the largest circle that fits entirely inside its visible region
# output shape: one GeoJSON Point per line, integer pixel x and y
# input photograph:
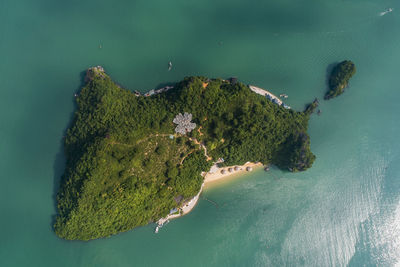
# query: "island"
{"type": "Point", "coordinates": [339, 78]}
{"type": "Point", "coordinates": [133, 159]}
{"type": "Point", "coordinates": [310, 108]}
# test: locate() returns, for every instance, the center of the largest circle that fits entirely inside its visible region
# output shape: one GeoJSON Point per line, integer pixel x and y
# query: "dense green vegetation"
{"type": "Point", "coordinates": [339, 78]}
{"type": "Point", "coordinates": [124, 169]}
{"type": "Point", "coordinates": [310, 108]}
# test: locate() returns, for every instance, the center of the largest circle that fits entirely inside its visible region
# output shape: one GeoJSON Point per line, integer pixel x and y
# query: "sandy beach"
{"type": "Point", "coordinates": [264, 92]}
{"type": "Point", "coordinates": [222, 173]}
{"type": "Point", "coordinates": [215, 174]}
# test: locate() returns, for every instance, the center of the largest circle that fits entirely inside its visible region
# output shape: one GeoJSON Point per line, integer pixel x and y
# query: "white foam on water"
{"type": "Point", "coordinates": [389, 237]}
{"type": "Point", "coordinates": [327, 232]}
{"type": "Point", "coordinates": [380, 233]}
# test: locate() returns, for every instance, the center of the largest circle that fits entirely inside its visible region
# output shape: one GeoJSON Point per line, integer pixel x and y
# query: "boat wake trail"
{"type": "Point", "coordinates": [383, 13]}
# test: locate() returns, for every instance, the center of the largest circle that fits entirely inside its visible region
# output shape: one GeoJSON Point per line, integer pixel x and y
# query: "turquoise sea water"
{"type": "Point", "coordinates": [343, 211]}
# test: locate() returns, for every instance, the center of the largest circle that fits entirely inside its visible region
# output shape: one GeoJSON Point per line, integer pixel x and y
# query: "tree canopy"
{"type": "Point", "coordinates": [339, 78]}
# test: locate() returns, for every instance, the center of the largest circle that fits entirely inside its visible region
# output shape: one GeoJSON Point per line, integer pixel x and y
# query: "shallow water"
{"type": "Point", "coordinates": [343, 211]}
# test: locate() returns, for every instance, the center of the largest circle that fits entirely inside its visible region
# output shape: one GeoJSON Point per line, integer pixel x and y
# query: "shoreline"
{"type": "Point", "coordinates": [264, 92]}
{"type": "Point", "coordinates": [213, 175]}
{"type": "Point", "coordinates": [218, 174]}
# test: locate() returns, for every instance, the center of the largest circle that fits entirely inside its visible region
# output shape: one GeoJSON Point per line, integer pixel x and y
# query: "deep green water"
{"type": "Point", "coordinates": [343, 211]}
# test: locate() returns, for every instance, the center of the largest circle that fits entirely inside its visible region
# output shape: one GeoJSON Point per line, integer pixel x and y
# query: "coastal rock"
{"type": "Point", "coordinates": [94, 72]}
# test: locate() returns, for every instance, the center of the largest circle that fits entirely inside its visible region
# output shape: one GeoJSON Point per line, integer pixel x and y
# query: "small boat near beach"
{"type": "Point", "coordinates": [386, 11]}
{"type": "Point", "coordinates": [284, 95]}
{"type": "Point", "coordinates": [169, 66]}
{"type": "Point", "coordinates": [160, 225]}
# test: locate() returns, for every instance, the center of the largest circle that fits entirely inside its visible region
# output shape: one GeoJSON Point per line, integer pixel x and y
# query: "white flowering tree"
{"type": "Point", "coordinates": [184, 124]}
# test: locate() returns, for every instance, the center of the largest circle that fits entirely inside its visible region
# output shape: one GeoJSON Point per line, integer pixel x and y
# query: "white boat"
{"type": "Point", "coordinates": [160, 225]}
{"type": "Point", "coordinates": [386, 11]}
{"type": "Point", "coordinates": [169, 65]}
{"type": "Point", "coordinates": [284, 95]}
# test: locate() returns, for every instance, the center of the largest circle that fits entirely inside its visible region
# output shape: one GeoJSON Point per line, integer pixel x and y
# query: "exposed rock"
{"type": "Point", "coordinates": [92, 72]}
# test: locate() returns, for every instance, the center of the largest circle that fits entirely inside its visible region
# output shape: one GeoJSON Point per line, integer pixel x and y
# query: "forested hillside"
{"type": "Point", "coordinates": [126, 165]}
